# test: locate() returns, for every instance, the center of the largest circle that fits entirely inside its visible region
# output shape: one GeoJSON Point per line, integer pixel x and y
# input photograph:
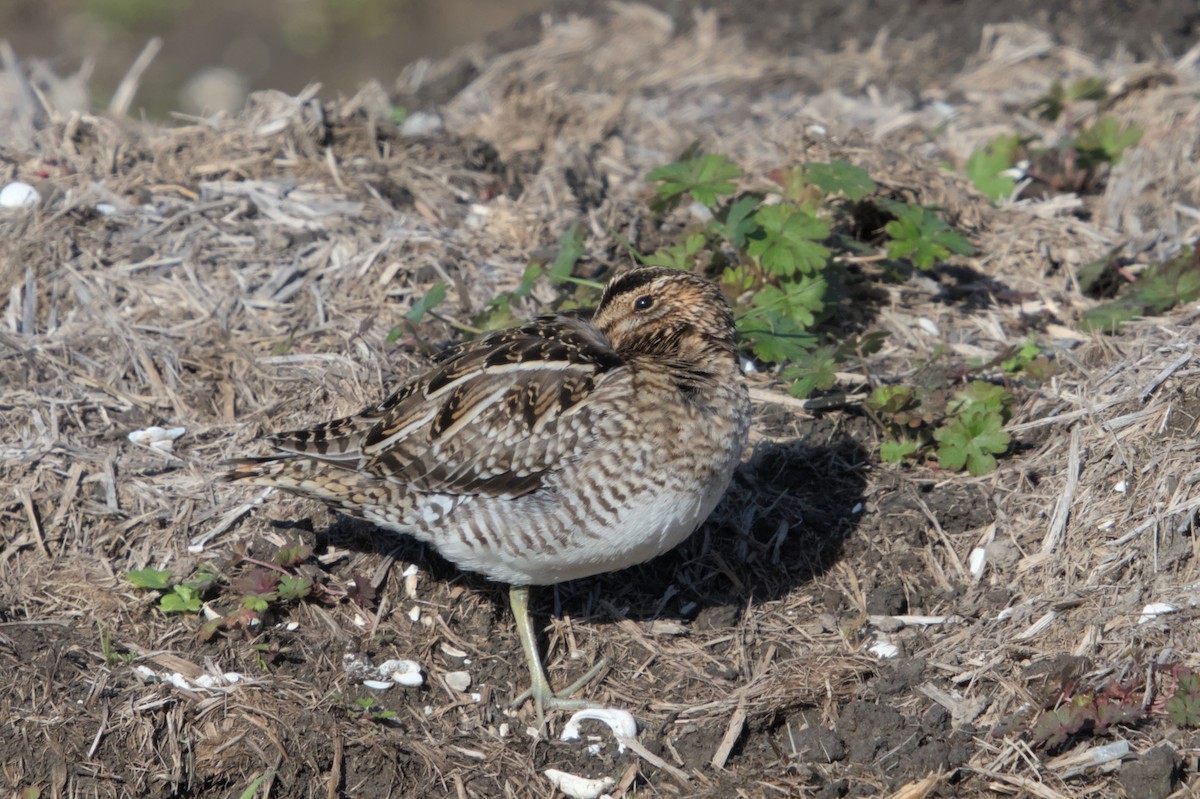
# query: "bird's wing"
{"type": "Point", "coordinates": [492, 417]}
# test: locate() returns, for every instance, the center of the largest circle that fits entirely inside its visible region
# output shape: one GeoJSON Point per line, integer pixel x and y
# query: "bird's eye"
{"type": "Point", "coordinates": [643, 303]}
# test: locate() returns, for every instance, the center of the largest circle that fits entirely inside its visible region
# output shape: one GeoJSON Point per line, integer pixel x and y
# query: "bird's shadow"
{"type": "Point", "coordinates": [783, 521]}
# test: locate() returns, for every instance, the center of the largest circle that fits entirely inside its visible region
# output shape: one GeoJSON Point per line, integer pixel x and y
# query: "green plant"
{"type": "Point", "coordinates": [1051, 106]}
{"type": "Point", "coordinates": [1183, 706]}
{"type": "Point", "coordinates": [988, 168]}
{"type": "Point", "coordinates": [921, 236]}
{"type": "Point", "coordinates": [175, 597]}
{"type": "Point", "coordinates": [1105, 142]}
{"type": "Point", "coordinates": [109, 652]}
{"type": "Point", "coordinates": [774, 251]}
{"type": "Point", "coordinates": [369, 710]}
{"type": "Point", "coordinates": [1160, 287]}
{"type": "Point", "coordinates": [964, 427]}
{"type": "Point", "coordinates": [1088, 712]}
{"type": "Point", "coordinates": [573, 292]}
{"type": "Point", "coordinates": [248, 589]}
{"type": "Point", "coordinates": [705, 177]}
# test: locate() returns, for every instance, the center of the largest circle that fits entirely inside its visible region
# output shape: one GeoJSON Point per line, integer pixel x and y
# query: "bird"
{"type": "Point", "coordinates": [558, 449]}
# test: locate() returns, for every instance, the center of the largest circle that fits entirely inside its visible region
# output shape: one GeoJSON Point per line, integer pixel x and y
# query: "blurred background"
{"type": "Point", "coordinates": [215, 51]}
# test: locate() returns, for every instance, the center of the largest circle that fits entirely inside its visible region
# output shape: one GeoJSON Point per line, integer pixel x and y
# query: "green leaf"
{"type": "Point", "coordinates": [838, 176]}
{"type": "Point", "coordinates": [291, 554]}
{"type": "Point", "coordinates": [739, 221]}
{"type": "Point", "coordinates": [921, 236]}
{"type": "Point", "coordinates": [252, 788]}
{"type": "Point", "coordinates": [432, 299]}
{"type": "Point", "coordinates": [971, 439]}
{"type": "Point", "coordinates": [677, 256]}
{"type": "Point", "coordinates": [705, 178]}
{"type": "Point", "coordinates": [294, 588]}
{"type": "Point", "coordinates": [1184, 709]}
{"type": "Point", "coordinates": [1022, 357]}
{"type": "Point", "coordinates": [775, 338]}
{"type": "Point", "coordinates": [1160, 287]}
{"type": "Point", "coordinates": [787, 240]}
{"type": "Point", "coordinates": [1105, 141]}
{"type": "Point", "coordinates": [570, 250]}
{"type": "Point", "coordinates": [151, 579]}
{"type": "Point", "coordinates": [986, 167]}
{"type": "Point", "coordinates": [180, 599]}
{"type": "Point", "coordinates": [980, 395]}
{"type": "Point", "coordinates": [896, 450]}
{"type": "Point", "coordinates": [813, 370]}
{"type": "Point", "coordinates": [798, 301]}
{"type": "Point", "coordinates": [259, 602]}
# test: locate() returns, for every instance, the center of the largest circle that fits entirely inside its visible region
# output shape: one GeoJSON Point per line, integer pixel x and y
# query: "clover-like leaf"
{"type": "Point", "coordinates": [677, 256]}
{"type": "Point", "coordinates": [705, 178]}
{"type": "Point", "coordinates": [788, 239]}
{"type": "Point", "coordinates": [838, 176]}
{"type": "Point", "coordinates": [775, 338]}
{"type": "Point", "coordinates": [971, 439]}
{"type": "Point", "coordinates": [979, 395]}
{"type": "Point", "coordinates": [810, 371]}
{"type": "Point", "coordinates": [896, 450]}
{"type": "Point", "coordinates": [921, 236]}
{"type": "Point", "coordinates": [294, 588]}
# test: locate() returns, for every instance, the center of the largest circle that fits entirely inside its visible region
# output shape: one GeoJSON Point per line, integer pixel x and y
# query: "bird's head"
{"type": "Point", "coordinates": [666, 313]}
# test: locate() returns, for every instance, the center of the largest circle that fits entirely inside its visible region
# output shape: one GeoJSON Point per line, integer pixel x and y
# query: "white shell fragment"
{"type": "Point", "coordinates": [977, 561]}
{"type": "Point", "coordinates": [929, 326]}
{"type": "Point", "coordinates": [1156, 609]}
{"type": "Point", "coordinates": [159, 438]}
{"type": "Point", "coordinates": [579, 787]}
{"type": "Point", "coordinates": [458, 680]}
{"type": "Point", "coordinates": [884, 649]}
{"type": "Point", "coordinates": [19, 195]}
{"type": "Point", "coordinates": [205, 682]}
{"type": "Point", "coordinates": [402, 672]}
{"type": "Point", "coordinates": [378, 685]}
{"type": "Point", "coordinates": [620, 722]}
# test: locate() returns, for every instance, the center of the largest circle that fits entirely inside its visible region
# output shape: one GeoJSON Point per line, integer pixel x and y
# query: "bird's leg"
{"type": "Point", "coordinates": [539, 687]}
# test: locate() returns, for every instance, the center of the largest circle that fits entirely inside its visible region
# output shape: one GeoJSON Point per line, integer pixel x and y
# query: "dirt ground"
{"type": "Point", "coordinates": [825, 634]}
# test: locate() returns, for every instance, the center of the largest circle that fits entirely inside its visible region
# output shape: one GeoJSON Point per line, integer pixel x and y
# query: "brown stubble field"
{"type": "Point", "coordinates": [241, 275]}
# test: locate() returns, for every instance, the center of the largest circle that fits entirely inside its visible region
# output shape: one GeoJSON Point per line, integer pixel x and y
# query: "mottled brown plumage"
{"type": "Point", "coordinates": [555, 450]}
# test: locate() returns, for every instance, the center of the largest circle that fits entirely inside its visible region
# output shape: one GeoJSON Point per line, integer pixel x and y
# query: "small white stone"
{"type": "Point", "coordinates": [414, 614]}
{"type": "Point", "coordinates": [421, 123]}
{"type": "Point", "coordinates": [700, 211]}
{"type": "Point", "coordinates": [1121, 487]}
{"type": "Point", "coordinates": [578, 787]}
{"type": "Point", "coordinates": [19, 195]}
{"type": "Point", "coordinates": [504, 729]}
{"type": "Point", "coordinates": [378, 685]}
{"type": "Point", "coordinates": [458, 680]}
{"type": "Point", "coordinates": [292, 626]}
{"type": "Point", "coordinates": [1155, 609]}
{"type": "Point", "coordinates": [620, 722]}
{"type": "Point", "coordinates": [977, 561]}
{"type": "Point", "coordinates": [107, 209]}
{"type": "Point", "coordinates": [929, 326]}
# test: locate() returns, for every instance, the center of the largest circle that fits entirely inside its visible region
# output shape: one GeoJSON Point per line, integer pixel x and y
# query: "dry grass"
{"type": "Point", "coordinates": [231, 276]}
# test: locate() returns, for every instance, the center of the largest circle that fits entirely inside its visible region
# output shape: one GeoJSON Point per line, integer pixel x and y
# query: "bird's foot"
{"type": "Point", "coordinates": [545, 698]}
